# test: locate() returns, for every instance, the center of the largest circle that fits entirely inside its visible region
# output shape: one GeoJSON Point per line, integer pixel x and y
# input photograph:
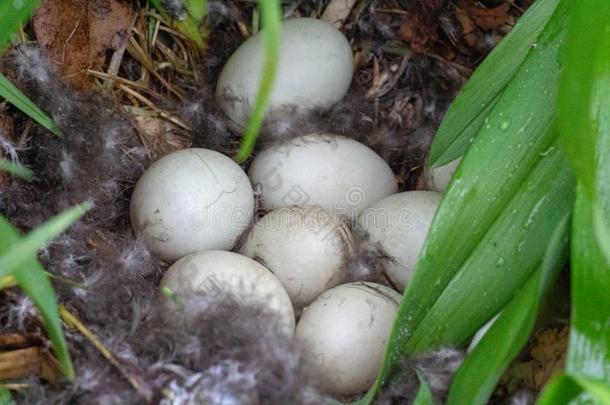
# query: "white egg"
{"type": "Point", "coordinates": [216, 275]}
{"type": "Point", "coordinates": [306, 248]}
{"type": "Point", "coordinates": [399, 224]}
{"type": "Point", "coordinates": [343, 335]}
{"type": "Point", "coordinates": [336, 173]}
{"type": "Point", "coordinates": [438, 178]}
{"type": "Point", "coordinates": [315, 68]}
{"type": "Point", "coordinates": [191, 200]}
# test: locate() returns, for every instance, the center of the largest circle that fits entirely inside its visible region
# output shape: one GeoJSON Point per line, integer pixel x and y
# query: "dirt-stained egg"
{"type": "Point", "coordinates": [438, 178]}
{"type": "Point", "coordinates": [191, 200]}
{"type": "Point", "coordinates": [213, 275]}
{"type": "Point", "coordinates": [305, 247]}
{"type": "Point", "coordinates": [315, 68]}
{"type": "Point", "coordinates": [343, 335]}
{"type": "Point", "coordinates": [399, 225]}
{"type": "Point", "coordinates": [336, 173]}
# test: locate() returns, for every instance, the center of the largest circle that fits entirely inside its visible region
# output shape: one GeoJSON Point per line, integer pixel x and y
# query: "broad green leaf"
{"type": "Point", "coordinates": [498, 265]}
{"type": "Point", "coordinates": [584, 106]}
{"type": "Point", "coordinates": [10, 93]}
{"type": "Point", "coordinates": [585, 123]}
{"type": "Point", "coordinates": [12, 14]}
{"type": "Point", "coordinates": [565, 388]}
{"type": "Point", "coordinates": [465, 116]}
{"type": "Point", "coordinates": [271, 14]}
{"type": "Point", "coordinates": [490, 233]}
{"type": "Point", "coordinates": [20, 252]}
{"type": "Point", "coordinates": [33, 280]}
{"type": "Point", "coordinates": [589, 344]}
{"type": "Point", "coordinates": [16, 169]}
{"type": "Point", "coordinates": [424, 395]}
{"type": "Point", "coordinates": [476, 379]}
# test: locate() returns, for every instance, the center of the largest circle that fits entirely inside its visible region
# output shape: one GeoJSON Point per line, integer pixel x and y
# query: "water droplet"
{"type": "Point", "coordinates": [500, 262]}
{"type": "Point", "coordinates": [546, 152]}
{"type": "Point", "coordinates": [18, 4]}
{"type": "Point", "coordinates": [505, 124]}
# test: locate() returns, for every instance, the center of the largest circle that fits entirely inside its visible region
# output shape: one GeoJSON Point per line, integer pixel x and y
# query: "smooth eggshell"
{"type": "Point", "coordinates": [399, 223]}
{"type": "Point", "coordinates": [314, 70]}
{"type": "Point", "coordinates": [343, 335]}
{"type": "Point", "coordinates": [217, 274]}
{"type": "Point", "coordinates": [305, 247]}
{"type": "Point", "coordinates": [190, 200]}
{"type": "Point", "coordinates": [438, 178]}
{"type": "Point", "coordinates": [336, 173]}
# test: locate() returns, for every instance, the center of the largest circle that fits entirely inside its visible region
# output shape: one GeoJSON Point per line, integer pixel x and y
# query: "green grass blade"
{"type": "Point", "coordinates": [190, 25]}
{"type": "Point", "coordinates": [10, 93]}
{"type": "Point", "coordinates": [12, 14]}
{"type": "Point", "coordinates": [424, 395]}
{"type": "Point", "coordinates": [32, 279]}
{"type": "Point", "coordinates": [463, 119]}
{"type": "Point", "coordinates": [16, 169]}
{"type": "Point", "coordinates": [567, 389]}
{"type": "Point", "coordinates": [21, 251]}
{"type": "Point", "coordinates": [510, 192]}
{"type": "Point", "coordinates": [197, 9]}
{"type": "Point", "coordinates": [475, 380]}
{"type": "Point", "coordinates": [271, 15]}
{"type": "Point", "coordinates": [5, 397]}
{"type": "Point", "coordinates": [36, 284]}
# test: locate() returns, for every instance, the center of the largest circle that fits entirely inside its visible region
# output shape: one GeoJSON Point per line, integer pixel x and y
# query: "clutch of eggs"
{"type": "Point", "coordinates": [192, 206]}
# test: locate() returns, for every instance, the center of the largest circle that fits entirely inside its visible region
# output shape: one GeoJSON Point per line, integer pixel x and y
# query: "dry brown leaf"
{"type": "Point", "coordinates": [486, 18]}
{"type": "Point", "coordinates": [468, 27]}
{"type": "Point", "coordinates": [547, 355]}
{"type": "Point", "coordinates": [159, 136]}
{"type": "Point", "coordinates": [77, 33]}
{"type": "Point", "coordinates": [16, 364]}
{"type": "Point", "coordinates": [11, 341]}
{"type": "Point", "coordinates": [419, 28]}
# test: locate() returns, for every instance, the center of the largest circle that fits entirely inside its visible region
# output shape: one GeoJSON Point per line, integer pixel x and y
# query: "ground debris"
{"type": "Point", "coordinates": [544, 357]}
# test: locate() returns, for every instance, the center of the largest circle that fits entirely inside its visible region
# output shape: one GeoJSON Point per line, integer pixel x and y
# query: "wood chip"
{"type": "Point", "coordinates": [22, 363]}
{"type": "Point", "coordinates": [77, 33]}
{"type": "Point", "coordinates": [7, 131]}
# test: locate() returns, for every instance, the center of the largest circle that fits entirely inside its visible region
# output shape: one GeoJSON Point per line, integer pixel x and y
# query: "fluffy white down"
{"type": "Point", "coordinates": [399, 224]}
{"type": "Point", "coordinates": [315, 70]}
{"type": "Point", "coordinates": [305, 247]}
{"type": "Point", "coordinates": [218, 275]}
{"type": "Point", "coordinates": [336, 173]}
{"type": "Point", "coordinates": [190, 200]}
{"type": "Point", "coordinates": [343, 334]}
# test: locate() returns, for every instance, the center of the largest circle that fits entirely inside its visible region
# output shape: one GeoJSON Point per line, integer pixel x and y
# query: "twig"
{"type": "Point", "coordinates": [73, 322]}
